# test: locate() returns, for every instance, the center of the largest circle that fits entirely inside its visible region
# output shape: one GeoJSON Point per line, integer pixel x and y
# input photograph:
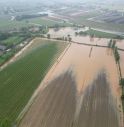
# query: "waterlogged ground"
{"type": "Point", "coordinates": [98, 107]}
{"type": "Point", "coordinates": [64, 32]}
{"type": "Point", "coordinates": [81, 89]}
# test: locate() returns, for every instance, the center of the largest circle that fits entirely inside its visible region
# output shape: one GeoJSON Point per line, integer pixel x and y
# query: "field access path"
{"type": "Point", "coordinates": [80, 90]}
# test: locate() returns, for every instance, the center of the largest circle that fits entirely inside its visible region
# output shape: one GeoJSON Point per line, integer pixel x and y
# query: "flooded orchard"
{"type": "Point", "coordinates": [81, 89]}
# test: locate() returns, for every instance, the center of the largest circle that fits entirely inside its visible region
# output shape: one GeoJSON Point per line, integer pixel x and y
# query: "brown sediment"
{"type": "Point", "coordinates": [55, 105]}
{"type": "Point", "coordinates": [120, 44]}
{"type": "Point", "coordinates": [63, 32]}
{"type": "Point", "coordinates": [59, 105]}
{"type": "Point", "coordinates": [85, 70]}
{"type": "Point", "coordinates": [85, 39]}
{"type": "Point", "coordinates": [98, 108]}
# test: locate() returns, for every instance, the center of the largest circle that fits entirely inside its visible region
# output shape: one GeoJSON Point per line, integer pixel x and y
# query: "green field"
{"type": "Point", "coordinates": [101, 34]}
{"type": "Point", "coordinates": [106, 26]}
{"type": "Point", "coordinates": [43, 21]}
{"type": "Point", "coordinates": [9, 43]}
{"type": "Point", "coordinates": [84, 19]}
{"type": "Point", "coordinates": [19, 80]}
{"type": "Point", "coordinates": [6, 24]}
{"type": "Point", "coordinates": [14, 40]}
{"type": "Point", "coordinates": [6, 56]}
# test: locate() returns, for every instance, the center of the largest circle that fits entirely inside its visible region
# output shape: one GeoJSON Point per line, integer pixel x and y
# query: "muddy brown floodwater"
{"type": "Point", "coordinates": [85, 39]}
{"type": "Point", "coordinates": [55, 106]}
{"type": "Point", "coordinates": [98, 107]}
{"type": "Point", "coordinates": [81, 90]}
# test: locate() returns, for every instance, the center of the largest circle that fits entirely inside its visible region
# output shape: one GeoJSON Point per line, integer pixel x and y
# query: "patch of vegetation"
{"type": "Point", "coordinates": [11, 41]}
{"type": "Point", "coordinates": [8, 25]}
{"type": "Point", "coordinates": [7, 55]}
{"type": "Point", "coordinates": [122, 97]}
{"type": "Point", "coordinates": [101, 34]}
{"type": "Point", "coordinates": [87, 15]}
{"type": "Point", "coordinates": [122, 85]}
{"type": "Point", "coordinates": [99, 25]}
{"type": "Point", "coordinates": [49, 23]}
{"type": "Point", "coordinates": [48, 36]}
{"type": "Point", "coordinates": [5, 123]}
{"type": "Point", "coordinates": [30, 16]}
{"type": "Point", "coordinates": [19, 80]}
{"type": "Point", "coordinates": [112, 44]}
{"type": "Point", "coordinates": [117, 55]}
{"type": "Point", "coordinates": [122, 82]}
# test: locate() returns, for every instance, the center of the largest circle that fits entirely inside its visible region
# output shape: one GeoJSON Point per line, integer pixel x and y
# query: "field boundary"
{"type": "Point", "coordinates": [42, 85]}
{"type": "Point", "coordinates": [13, 58]}
{"type": "Point", "coordinates": [94, 45]}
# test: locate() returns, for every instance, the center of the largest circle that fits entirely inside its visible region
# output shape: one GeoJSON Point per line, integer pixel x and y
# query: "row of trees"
{"type": "Point", "coordinates": [81, 33]}
{"type": "Point", "coordinates": [112, 44]}
{"type": "Point", "coordinates": [116, 55]}
{"type": "Point", "coordinates": [68, 38]}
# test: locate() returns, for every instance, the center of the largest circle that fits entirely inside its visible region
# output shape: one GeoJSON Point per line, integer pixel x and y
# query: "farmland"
{"type": "Point", "coordinates": [97, 18]}
{"type": "Point", "coordinates": [116, 18]}
{"type": "Point", "coordinates": [62, 63]}
{"type": "Point", "coordinates": [6, 25]}
{"type": "Point", "coordinates": [100, 34]}
{"type": "Point", "coordinates": [101, 25]}
{"type": "Point", "coordinates": [47, 21]}
{"type": "Point", "coordinates": [79, 89]}
{"type": "Point", "coordinates": [10, 44]}
{"type": "Point", "coordinates": [17, 88]}
{"type": "Point", "coordinates": [12, 41]}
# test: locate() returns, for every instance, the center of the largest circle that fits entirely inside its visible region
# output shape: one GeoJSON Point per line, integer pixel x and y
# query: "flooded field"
{"type": "Point", "coordinates": [98, 109]}
{"type": "Point", "coordinates": [52, 106]}
{"type": "Point", "coordinates": [64, 32]}
{"type": "Point", "coordinates": [81, 89]}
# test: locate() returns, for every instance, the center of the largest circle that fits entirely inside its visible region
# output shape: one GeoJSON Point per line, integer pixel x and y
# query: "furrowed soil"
{"type": "Point", "coordinates": [22, 76]}
{"type": "Point", "coordinates": [98, 107]}
{"type": "Point", "coordinates": [81, 90]}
